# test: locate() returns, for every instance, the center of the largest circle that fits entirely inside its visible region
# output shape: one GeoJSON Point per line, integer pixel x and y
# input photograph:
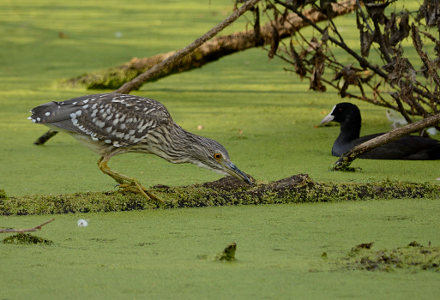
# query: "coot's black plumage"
{"type": "Point", "coordinates": [409, 147]}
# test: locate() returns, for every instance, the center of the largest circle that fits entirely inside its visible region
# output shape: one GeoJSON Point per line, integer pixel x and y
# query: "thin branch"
{"type": "Point", "coordinates": [417, 42]}
{"type": "Point", "coordinates": [396, 97]}
{"type": "Point", "coordinates": [38, 227]}
{"type": "Point", "coordinates": [359, 11]}
{"type": "Point", "coordinates": [335, 30]}
{"type": "Point", "coordinates": [379, 38]}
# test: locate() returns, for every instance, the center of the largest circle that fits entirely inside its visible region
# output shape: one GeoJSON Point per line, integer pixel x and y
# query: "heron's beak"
{"type": "Point", "coordinates": [231, 169]}
{"type": "Point", "coordinates": [327, 119]}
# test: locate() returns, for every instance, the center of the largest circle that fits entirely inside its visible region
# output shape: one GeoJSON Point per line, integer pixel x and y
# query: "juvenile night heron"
{"type": "Point", "coordinates": [112, 124]}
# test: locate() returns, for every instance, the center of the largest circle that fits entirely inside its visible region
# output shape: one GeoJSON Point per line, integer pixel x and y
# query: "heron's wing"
{"type": "Point", "coordinates": [119, 119]}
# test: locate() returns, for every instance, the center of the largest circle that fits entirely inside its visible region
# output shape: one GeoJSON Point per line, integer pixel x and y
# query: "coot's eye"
{"type": "Point", "coordinates": [217, 155]}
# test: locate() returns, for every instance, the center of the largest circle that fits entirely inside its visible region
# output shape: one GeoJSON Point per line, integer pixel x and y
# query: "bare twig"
{"type": "Point", "coordinates": [362, 61]}
{"type": "Point", "coordinates": [38, 227]}
{"type": "Point", "coordinates": [361, 13]}
{"type": "Point", "coordinates": [398, 73]}
{"type": "Point", "coordinates": [417, 42]}
{"type": "Point", "coordinates": [379, 38]}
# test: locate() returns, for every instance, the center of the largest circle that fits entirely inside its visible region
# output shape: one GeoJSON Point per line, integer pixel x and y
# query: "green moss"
{"type": "Point", "coordinates": [172, 252]}
{"type": "Point", "coordinates": [26, 238]}
{"type": "Point", "coordinates": [415, 257]}
{"type": "Point", "coordinates": [105, 79]}
{"type": "Point", "coordinates": [228, 254]}
{"type": "Point", "coordinates": [296, 189]}
{"type": "Point", "coordinates": [73, 203]}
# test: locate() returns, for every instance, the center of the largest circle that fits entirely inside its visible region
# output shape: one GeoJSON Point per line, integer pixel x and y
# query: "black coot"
{"type": "Point", "coordinates": [409, 147]}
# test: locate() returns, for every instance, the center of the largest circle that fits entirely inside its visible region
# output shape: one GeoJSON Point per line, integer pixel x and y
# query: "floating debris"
{"type": "Point", "coordinates": [82, 223]}
{"type": "Point", "coordinates": [228, 253]}
{"type": "Point", "coordinates": [25, 238]}
{"type": "Point", "coordinates": [415, 257]}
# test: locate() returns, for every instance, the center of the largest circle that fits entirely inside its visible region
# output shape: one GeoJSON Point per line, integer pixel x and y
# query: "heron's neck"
{"type": "Point", "coordinates": [179, 145]}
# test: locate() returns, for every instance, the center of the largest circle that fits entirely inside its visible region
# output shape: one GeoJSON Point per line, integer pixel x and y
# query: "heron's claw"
{"type": "Point", "coordinates": [136, 187]}
{"type": "Point", "coordinates": [126, 183]}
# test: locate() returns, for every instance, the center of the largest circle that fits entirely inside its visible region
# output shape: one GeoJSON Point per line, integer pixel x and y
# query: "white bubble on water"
{"type": "Point", "coordinates": [82, 223]}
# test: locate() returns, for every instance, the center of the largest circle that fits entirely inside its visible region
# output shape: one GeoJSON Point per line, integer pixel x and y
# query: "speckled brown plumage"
{"type": "Point", "coordinates": [114, 123]}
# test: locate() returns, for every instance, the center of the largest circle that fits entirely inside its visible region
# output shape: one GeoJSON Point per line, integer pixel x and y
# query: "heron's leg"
{"type": "Point", "coordinates": [120, 178]}
{"type": "Point", "coordinates": [125, 182]}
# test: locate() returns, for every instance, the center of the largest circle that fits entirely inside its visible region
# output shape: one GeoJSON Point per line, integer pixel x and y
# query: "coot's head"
{"type": "Point", "coordinates": [343, 113]}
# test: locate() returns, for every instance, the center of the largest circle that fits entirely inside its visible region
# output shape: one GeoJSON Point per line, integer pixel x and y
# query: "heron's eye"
{"type": "Point", "coordinates": [217, 155]}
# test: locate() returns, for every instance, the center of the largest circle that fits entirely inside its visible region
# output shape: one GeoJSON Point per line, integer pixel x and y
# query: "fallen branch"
{"type": "Point", "coordinates": [172, 60]}
{"type": "Point", "coordinates": [9, 230]}
{"type": "Point", "coordinates": [343, 163]}
{"type": "Point", "coordinates": [210, 51]}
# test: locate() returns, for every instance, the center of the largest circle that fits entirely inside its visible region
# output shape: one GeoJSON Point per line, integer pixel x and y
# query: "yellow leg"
{"type": "Point", "coordinates": [125, 182]}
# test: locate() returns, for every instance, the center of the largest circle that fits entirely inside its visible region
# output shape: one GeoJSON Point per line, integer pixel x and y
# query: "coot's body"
{"type": "Point", "coordinates": [407, 148]}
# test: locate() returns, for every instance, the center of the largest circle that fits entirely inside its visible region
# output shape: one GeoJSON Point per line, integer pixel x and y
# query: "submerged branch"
{"type": "Point", "coordinates": [38, 227]}
{"type": "Point", "coordinates": [226, 191]}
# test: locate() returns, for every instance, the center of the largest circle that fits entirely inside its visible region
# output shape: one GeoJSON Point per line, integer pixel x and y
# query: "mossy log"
{"type": "Point", "coordinates": [226, 191]}
{"type": "Point", "coordinates": [210, 51]}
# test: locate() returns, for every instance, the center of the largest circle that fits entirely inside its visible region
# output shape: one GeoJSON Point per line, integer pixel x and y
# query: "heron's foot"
{"type": "Point", "coordinates": [136, 187]}
{"type": "Point", "coordinates": [126, 183]}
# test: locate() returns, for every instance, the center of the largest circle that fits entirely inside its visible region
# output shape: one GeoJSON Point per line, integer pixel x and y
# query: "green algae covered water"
{"type": "Point", "coordinates": [171, 253]}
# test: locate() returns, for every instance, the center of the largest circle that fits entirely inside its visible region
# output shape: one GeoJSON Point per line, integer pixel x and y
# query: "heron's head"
{"type": "Point", "coordinates": [210, 154]}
